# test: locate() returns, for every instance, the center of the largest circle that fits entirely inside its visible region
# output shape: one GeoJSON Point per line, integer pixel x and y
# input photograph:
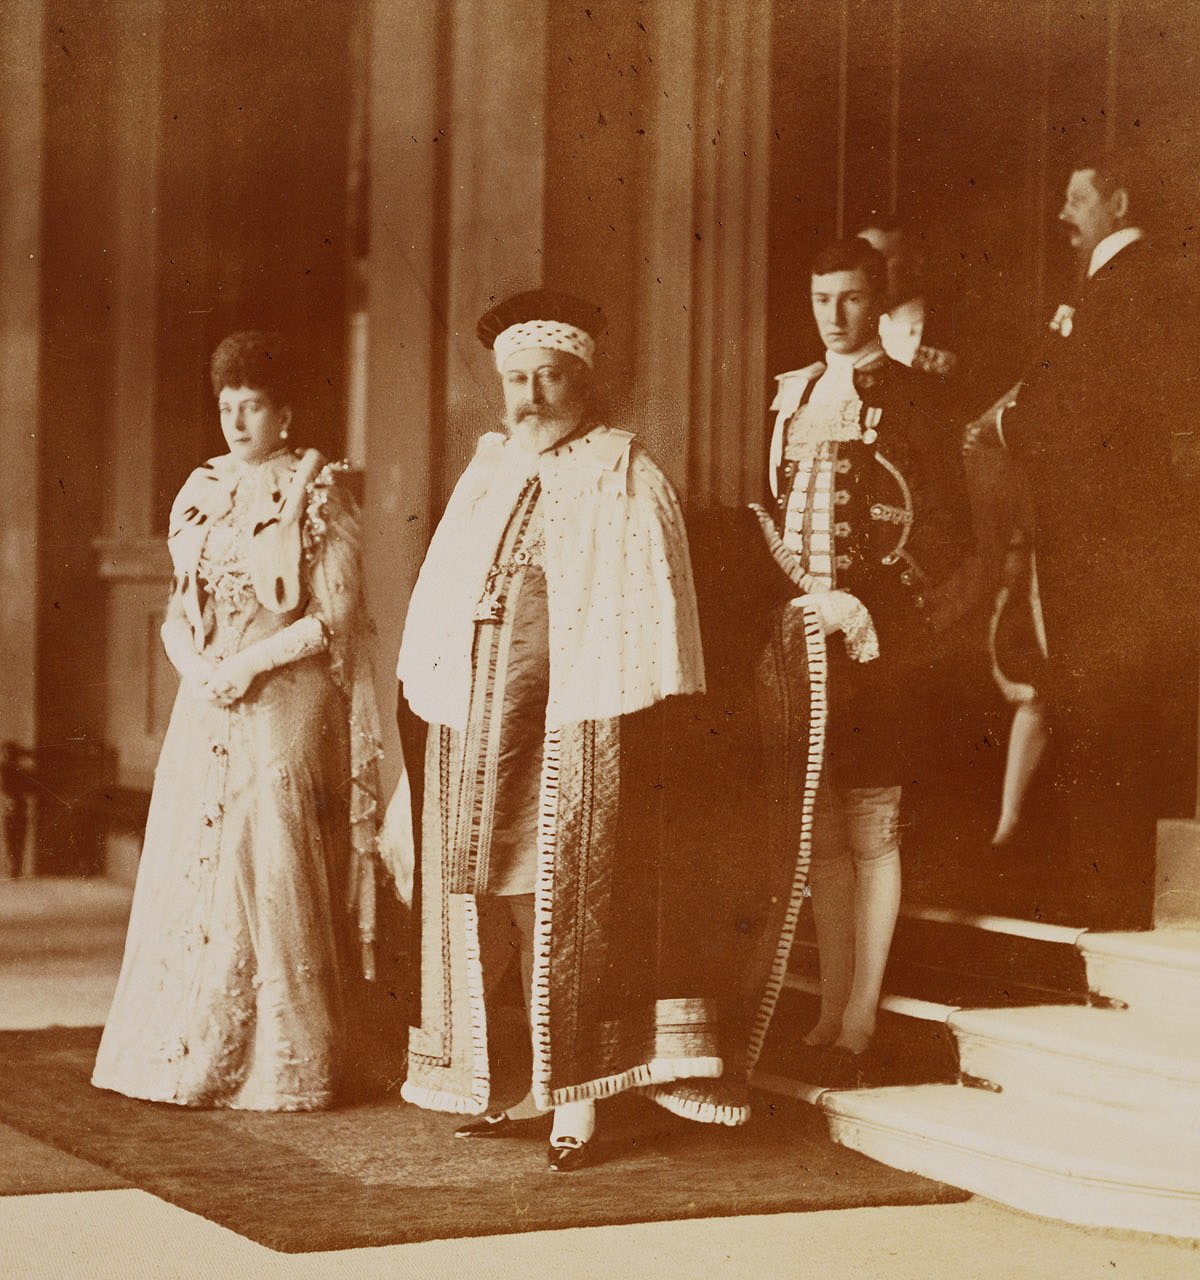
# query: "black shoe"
{"type": "Point", "coordinates": [568, 1154]}
{"type": "Point", "coordinates": [841, 1068]}
{"type": "Point", "coordinates": [494, 1126]}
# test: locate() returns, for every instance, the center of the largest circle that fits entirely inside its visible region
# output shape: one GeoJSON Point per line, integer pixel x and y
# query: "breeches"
{"type": "Point", "coordinates": [877, 713]}
{"type": "Point", "coordinates": [856, 824]}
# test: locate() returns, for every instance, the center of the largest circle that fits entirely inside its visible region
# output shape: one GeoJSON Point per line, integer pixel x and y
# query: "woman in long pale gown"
{"type": "Point", "coordinates": [259, 842]}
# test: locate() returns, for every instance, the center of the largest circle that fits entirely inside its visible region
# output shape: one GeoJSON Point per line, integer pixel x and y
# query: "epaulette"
{"type": "Point", "coordinates": [934, 360]}
{"type": "Point", "coordinates": [867, 375]}
{"type": "Point", "coordinates": [809, 371]}
{"type": "Point", "coordinates": [791, 385]}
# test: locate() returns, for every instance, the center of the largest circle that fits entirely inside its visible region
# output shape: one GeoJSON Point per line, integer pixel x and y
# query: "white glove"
{"type": "Point", "coordinates": [233, 675]}
{"type": "Point", "coordinates": [194, 668]}
{"type": "Point", "coordinates": [396, 845]}
{"type": "Point", "coordinates": [834, 608]}
{"type": "Point", "coordinates": [841, 611]}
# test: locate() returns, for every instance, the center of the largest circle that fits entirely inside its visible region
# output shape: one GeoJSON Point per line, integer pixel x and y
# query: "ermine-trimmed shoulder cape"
{"type": "Point", "coordinates": [623, 628]}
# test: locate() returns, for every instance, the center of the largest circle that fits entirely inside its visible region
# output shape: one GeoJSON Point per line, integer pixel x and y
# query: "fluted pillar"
{"type": "Point", "coordinates": [22, 124]}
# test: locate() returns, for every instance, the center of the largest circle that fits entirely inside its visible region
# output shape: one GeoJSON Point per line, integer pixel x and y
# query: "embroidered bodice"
{"type": "Point", "coordinates": [222, 568]}
{"type": "Point", "coordinates": [224, 573]}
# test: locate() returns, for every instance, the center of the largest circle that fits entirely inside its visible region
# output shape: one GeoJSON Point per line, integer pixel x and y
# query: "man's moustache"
{"type": "Point", "coordinates": [533, 411]}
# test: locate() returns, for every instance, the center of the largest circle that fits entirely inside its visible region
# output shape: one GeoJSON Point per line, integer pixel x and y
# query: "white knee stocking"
{"type": "Point", "coordinates": [872, 829]}
{"type": "Point", "coordinates": [831, 879]}
{"type": "Point", "coordinates": [574, 1120]}
{"type": "Point", "coordinates": [1026, 743]}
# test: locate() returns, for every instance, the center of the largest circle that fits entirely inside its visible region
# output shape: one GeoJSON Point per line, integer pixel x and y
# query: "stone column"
{"type": "Point", "coordinates": [22, 123]}
{"type": "Point", "coordinates": [81, 52]}
{"type": "Point", "coordinates": [405, 404]}
{"type": "Point", "coordinates": [700, 267]}
{"type": "Point", "coordinates": [457, 180]}
{"type": "Point", "coordinates": [131, 555]}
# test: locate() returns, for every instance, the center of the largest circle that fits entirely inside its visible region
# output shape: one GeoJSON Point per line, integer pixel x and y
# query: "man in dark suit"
{"type": "Point", "coordinates": [1093, 428]}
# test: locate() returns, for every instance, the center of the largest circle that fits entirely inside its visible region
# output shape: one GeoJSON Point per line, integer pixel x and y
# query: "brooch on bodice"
{"type": "Point", "coordinates": [222, 566]}
{"type": "Point", "coordinates": [316, 521]}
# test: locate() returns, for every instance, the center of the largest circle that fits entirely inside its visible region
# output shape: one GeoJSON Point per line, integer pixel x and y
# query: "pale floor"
{"type": "Point", "coordinates": [59, 950]}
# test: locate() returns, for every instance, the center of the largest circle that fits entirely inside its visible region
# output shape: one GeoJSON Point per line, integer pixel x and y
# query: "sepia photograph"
{"type": "Point", "coordinates": [599, 639]}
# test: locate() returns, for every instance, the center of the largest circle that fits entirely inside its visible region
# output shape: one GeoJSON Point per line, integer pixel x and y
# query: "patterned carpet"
{"type": "Point", "coordinates": [386, 1173]}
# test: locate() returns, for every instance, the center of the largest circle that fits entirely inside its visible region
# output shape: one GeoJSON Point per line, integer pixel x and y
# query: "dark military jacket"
{"type": "Point", "coordinates": [870, 497]}
{"type": "Point", "coordinates": [899, 524]}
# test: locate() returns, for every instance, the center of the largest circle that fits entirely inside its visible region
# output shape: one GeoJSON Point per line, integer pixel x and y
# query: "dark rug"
{"type": "Point", "coordinates": [29, 1167]}
{"type": "Point", "coordinates": [386, 1173]}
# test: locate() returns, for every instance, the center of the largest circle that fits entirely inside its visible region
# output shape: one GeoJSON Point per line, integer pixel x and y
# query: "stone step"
{"type": "Point", "coordinates": [1109, 1056]}
{"type": "Point", "coordinates": [1156, 973]}
{"type": "Point", "coordinates": [972, 959]}
{"type": "Point", "coordinates": [1073, 1161]}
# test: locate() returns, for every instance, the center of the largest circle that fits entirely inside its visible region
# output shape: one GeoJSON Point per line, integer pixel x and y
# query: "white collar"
{"type": "Point", "coordinates": [1110, 246]}
{"type": "Point", "coordinates": [836, 361]}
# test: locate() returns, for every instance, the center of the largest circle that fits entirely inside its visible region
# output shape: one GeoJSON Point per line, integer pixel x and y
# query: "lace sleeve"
{"type": "Point", "coordinates": [332, 551]}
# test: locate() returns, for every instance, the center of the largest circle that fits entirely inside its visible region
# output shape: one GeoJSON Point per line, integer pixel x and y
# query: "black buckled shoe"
{"type": "Point", "coordinates": [494, 1126]}
{"type": "Point", "coordinates": [568, 1154]}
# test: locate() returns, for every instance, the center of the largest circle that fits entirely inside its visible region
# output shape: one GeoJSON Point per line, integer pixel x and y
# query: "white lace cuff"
{"type": "Point", "coordinates": [862, 640]}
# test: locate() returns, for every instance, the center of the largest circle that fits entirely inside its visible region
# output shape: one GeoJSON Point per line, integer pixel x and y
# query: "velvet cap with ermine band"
{"type": "Point", "coordinates": [541, 318]}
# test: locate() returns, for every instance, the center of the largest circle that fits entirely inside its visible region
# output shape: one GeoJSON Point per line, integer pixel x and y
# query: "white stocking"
{"type": "Point", "coordinates": [872, 828]}
{"type": "Point", "coordinates": [574, 1120]}
{"type": "Point", "coordinates": [1026, 743]}
{"type": "Point", "coordinates": [831, 878]}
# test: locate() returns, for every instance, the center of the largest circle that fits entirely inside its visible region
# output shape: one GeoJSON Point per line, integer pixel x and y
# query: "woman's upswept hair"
{"type": "Point", "coordinates": [258, 359]}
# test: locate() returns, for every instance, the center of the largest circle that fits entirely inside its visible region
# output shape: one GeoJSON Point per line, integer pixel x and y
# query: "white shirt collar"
{"type": "Point", "coordinates": [837, 382]}
{"type": "Point", "coordinates": [1110, 246]}
{"type": "Point", "coordinates": [835, 360]}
